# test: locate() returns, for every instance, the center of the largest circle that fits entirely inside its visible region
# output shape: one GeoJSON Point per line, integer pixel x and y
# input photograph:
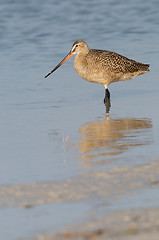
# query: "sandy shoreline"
{"type": "Point", "coordinates": [105, 185]}
{"type": "Point", "coordinates": [139, 224]}
{"type": "Point", "coordinates": [109, 184]}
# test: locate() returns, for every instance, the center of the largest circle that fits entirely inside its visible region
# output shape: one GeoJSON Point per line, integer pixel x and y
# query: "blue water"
{"type": "Point", "coordinates": [46, 124]}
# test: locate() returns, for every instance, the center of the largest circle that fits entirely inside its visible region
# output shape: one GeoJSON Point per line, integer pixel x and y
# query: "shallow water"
{"type": "Point", "coordinates": [56, 128]}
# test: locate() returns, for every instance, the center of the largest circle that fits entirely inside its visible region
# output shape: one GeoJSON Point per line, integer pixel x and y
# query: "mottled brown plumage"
{"type": "Point", "coordinates": [101, 66]}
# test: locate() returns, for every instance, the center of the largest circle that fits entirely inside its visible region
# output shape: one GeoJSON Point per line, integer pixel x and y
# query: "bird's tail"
{"type": "Point", "coordinates": [146, 67]}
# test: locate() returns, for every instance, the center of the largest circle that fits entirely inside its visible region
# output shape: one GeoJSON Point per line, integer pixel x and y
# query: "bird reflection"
{"type": "Point", "coordinates": [107, 106]}
{"type": "Point", "coordinates": [111, 137]}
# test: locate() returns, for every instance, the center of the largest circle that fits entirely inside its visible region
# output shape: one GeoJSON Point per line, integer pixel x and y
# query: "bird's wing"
{"type": "Point", "coordinates": [116, 62]}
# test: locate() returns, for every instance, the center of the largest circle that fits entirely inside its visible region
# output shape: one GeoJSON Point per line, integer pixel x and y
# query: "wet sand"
{"type": "Point", "coordinates": [139, 224]}
{"type": "Point", "coordinates": [109, 184]}
{"type": "Point", "coordinates": [104, 187]}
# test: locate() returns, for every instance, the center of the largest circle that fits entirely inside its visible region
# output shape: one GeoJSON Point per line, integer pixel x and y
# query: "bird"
{"type": "Point", "coordinates": [102, 66]}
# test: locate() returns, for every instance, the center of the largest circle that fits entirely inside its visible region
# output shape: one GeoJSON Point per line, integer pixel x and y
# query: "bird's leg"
{"type": "Point", "coordinates": [107, 96]}
{"type": "Point", "coordinates": [107, 100]}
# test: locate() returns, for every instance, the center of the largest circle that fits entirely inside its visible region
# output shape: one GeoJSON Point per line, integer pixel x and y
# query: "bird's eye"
{"type": "Point", "coordinates": [76, 45]}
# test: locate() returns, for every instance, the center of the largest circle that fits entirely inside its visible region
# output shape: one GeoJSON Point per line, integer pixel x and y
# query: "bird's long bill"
{"type": "Point", "coordinates": [64, 60]}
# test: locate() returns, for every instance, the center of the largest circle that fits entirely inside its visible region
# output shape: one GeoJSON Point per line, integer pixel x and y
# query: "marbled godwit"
{"type": "Point", "coordinates": [101, 66]}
